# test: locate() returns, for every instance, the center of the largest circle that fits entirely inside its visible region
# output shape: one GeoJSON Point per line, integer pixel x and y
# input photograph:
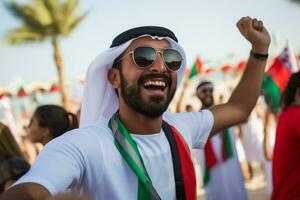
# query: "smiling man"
{"type": "Point", "coordinates": [222, 175]}
{"type": "Point", "coordinates": [128, 147]}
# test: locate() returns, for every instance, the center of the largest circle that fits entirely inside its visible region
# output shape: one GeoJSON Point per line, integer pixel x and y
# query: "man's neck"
{"type": "Point", "coordinates": [205, 107]}
{"type": "Point", "coordinates": [138, 123]}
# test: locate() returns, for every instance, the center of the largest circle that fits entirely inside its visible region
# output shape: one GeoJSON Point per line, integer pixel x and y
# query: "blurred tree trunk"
{"type": "Point", "coordinates": [61, 78]}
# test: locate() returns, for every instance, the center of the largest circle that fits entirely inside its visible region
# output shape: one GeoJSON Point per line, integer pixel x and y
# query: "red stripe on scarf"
{"type": "Point", "coordinates": [210, 156]}
{"type": "Point", "coordinates": [188, 171]}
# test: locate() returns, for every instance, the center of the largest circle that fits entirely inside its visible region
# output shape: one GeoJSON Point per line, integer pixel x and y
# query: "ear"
{"type": "Point", "coordinates": [46, 132]}
{"type": "Point", "coordinates": [113, 77]}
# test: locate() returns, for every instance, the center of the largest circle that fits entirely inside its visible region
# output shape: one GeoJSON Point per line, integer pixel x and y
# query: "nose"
{"type": "Point", "coordinates": [158, 64]}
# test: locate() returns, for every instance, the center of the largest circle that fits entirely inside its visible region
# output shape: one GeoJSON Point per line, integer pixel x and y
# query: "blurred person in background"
{"type": "Point", "coordinates": [8, 145]}
{"type": "Point", "coordinates": [11, 170]}
{"type": "Point", "coordinates": [182, 105]}
{"type": "Point", "coordinates": [222, 176]}
{"type": "Point", "coordinates": [48, 122]}
{"type": "Point", "coordinates": [286, 158]}
{"type": "Point", "coordinates": [9, 153]}
{"type": "Point", "coordinates": [251, 135]}
{"type": "Point", "coordinates": [29, 149]}
{"type": "Point", "coordinates": [270, 123]}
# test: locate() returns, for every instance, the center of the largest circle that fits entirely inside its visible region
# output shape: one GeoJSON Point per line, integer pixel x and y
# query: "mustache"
{"type": "Point", "coordinates": [146, 77]}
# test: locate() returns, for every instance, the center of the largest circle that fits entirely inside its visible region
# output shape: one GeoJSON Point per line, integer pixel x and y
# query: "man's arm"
{"type": "Point", "coordinates": [26, 191]}
{"type": "Point", "coordinates": [33, 191]}
{"type": "Point", "coordinates": [45, 177]}
{"type": "Point", "coordinates": [245, 95]}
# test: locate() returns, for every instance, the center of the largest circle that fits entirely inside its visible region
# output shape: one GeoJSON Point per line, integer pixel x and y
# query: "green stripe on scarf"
{"type": "Point", "coordinates": [206, 176]}
{"type": "Point", "coordinates": [227, 146]}
{"type": "Point", "coordinates": [129, 151]}
{"type": "Point", "coordinates": [227, 153]}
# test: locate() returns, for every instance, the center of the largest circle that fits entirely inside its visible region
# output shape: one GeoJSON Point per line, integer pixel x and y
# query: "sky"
{"type": "Point", "coordinates": [204, 28]}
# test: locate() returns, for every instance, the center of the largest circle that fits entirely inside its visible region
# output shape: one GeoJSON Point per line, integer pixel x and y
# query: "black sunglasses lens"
{"type": "Point", "coordinates": [207, 90]}
{"type": "Point", "coordinates": [172, 59]}
{"type": "Point", "coordinates": [144, 56]}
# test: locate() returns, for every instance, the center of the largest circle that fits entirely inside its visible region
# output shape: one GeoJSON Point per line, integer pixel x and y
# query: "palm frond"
{"type": "Point", "coordinates": [75, 22]}
{"type": "Point", "coordinates": [26, 14]}
{"type": "Point", "coordinates": [23, 35]}
{"type": "Point", "coordinates": [52, 7]}
{"type": "Point", "coordinates": [69, 7]}
{"type": "Point", "coordinates": [64, 16]}
{"type": "Point", "coordinates": [51, 18]}
{"type": "Point", "coordinates": [296, 1]}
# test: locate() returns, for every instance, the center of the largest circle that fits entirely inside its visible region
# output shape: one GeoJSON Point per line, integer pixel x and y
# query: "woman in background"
{"type": "Point", "coordinates": [11, 170]}
{"type": "Point", "coordinates": [48, 122]}
{"type": "Point", "coordinates": [8, 145]}
{"type": "Point", "coordinates": [12, 160]}
{"type": "Point", "coordinates": [286, 158]}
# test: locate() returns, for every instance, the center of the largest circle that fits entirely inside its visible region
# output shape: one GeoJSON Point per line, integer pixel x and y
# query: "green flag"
{"type": "Point", "coordinates": [196, 69]}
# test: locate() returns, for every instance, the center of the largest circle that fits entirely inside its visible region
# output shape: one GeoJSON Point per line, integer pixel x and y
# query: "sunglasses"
{"type": "Point", "coordinates": [205, 90]}
{"type": "Point", "coordinates": [145, 56]}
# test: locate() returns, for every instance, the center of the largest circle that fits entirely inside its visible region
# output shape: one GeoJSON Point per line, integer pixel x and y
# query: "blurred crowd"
{"type": "Point", "coordinates": [250, 143]}
{"type": "Point", "coordinates": [47, 122]}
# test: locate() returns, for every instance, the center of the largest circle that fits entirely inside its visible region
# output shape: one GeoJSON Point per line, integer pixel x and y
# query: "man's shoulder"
{"type": "Point", "coordinates": [91, 133]}
{"type": "Point", "coordinates": [92, 129]}
{"type": "Point", "coordinates": [187, 116]}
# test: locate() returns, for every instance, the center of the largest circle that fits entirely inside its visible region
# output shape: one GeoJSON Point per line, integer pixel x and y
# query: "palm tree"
{"type": "Point", "coordinates": [45, 20]}
{"type": "Point", "coordinates": [297, 1]}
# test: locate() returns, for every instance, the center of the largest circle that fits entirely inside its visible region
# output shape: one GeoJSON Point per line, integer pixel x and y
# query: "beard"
{"type": "Point", "coordinates": [208, 101]}
{"type": "Point", "coordinates": [156, 105]}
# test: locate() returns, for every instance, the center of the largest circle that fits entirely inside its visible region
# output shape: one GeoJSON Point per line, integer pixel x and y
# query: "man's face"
{"type": "Point", "coordinates": [206, 97]}
{"type": "Point", "coordinates": [148, 91]}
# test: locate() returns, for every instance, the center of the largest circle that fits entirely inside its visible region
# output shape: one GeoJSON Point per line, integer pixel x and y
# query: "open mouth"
{"type": "Point", "coordinates": [155, 84]}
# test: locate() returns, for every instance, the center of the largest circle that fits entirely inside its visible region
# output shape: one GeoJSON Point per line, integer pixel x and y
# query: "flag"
{"type": "Point", "coordinates": [54, 88]}
{"type": "Point", "coordinates": [22, 92]}
{"type": "Point", "coordinates": [242, 65]}
{"type": "Point", "coordinates": [196, 69]}
{"type": "Point", "coordinates": [277, 76]}
{"type": "Point", "coordinates": [226, 68]}
{"type": "Point", "coordinates": [210, 156]}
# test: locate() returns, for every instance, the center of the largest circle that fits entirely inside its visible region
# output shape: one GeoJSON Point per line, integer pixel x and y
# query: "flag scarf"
{"type": "Point", "coordinates": [196, 69]}
{"type": "Point", "coordinates": [276, 78]}
{"type": "Point", "coordinates": [129, 151]}
{"type": "Point", "coordinates": [210, 157]}
{"type": "Point", "coordinates": [188, 172]}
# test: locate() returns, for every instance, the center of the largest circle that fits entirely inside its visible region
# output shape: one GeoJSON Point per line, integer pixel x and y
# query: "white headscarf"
{"type": "Point", "coordinates": [100, 101]}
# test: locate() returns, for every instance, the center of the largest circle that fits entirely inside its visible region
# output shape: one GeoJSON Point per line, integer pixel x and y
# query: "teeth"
{"type": "Point", "coordinates": [155, 83]}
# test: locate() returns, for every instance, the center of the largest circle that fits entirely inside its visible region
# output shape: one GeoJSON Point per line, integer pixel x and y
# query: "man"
{"type": "Point", "coordinates": [222, 177]}
{"type": "Point", "coordinates": [121, 151]}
